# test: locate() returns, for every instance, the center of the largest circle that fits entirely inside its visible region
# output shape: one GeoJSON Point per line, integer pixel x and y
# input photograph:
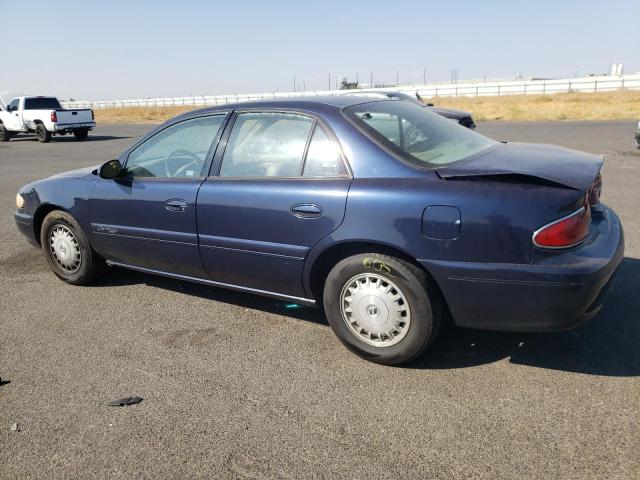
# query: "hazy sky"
{"type": "Point", "coordinates": [122, 49]}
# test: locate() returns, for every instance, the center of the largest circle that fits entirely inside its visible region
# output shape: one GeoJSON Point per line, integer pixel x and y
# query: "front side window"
{"type": "Point", "coordinates": [13, 106]}
{"type": "Point", "coordinates": [179, 151]}
{"type": "Point", "coordinates": [41, 103]}
{"type": "Point", "coordinates": [412, 132]}
{"type": "Point", "coordinates": [265, 144]}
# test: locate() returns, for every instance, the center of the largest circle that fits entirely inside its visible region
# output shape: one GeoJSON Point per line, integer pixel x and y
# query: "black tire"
{"type": "Point", "coordinates": [413, 284]}
{"type": "Point", "coordinates": [89, 266]}
{"type": "Point", "coordinates": [81, 134]}
{"type": "Point", "coordinates": [42, 134]}
{"type": "Point", "coordinates": [4, 133]}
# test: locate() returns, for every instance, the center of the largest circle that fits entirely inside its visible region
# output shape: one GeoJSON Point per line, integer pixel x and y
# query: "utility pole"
{"type": "Point", "coordinates": [371, 85]}
{"type": "Point", "coordinates": [294, 82]}
{"type": "Point", "coordinates": [329, 80]}
{"type": "Point", "coordinates": [397, 76]}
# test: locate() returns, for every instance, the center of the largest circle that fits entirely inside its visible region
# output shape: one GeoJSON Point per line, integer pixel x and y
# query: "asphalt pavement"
{"type": "Point", "coordinates": [238, 386]}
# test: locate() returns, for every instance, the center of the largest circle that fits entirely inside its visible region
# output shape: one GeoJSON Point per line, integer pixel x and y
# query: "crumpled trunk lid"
{"type": "Point", "coordinates": [558, 165]}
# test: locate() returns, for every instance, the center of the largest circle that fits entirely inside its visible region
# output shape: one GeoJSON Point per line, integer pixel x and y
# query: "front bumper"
{"type": "Point", "coordinates": [24, 222]}
{"type": "Point", "coordinates": [557, 291]}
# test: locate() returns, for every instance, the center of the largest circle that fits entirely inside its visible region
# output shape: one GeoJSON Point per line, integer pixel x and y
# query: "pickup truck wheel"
{"type": "Point", "coordinates": [4, 134]}
{"type": "Point", "coordinates": [81, 134]}
{"type": "Point", "coordinates": [68, 251]}
{"type": "Point", "coordinates": [42, 134]}
{"type": "Point", "coordinates": [382, 308]}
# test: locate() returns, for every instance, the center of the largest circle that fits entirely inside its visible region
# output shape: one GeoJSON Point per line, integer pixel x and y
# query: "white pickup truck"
{"type": "Point", "coordinates": [44, 116]}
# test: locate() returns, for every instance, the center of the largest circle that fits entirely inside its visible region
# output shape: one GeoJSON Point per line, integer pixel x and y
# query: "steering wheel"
{"type": "Point", "coordinates": [179, 153]}
{"type": "Point", "coordinates": [413, 135]}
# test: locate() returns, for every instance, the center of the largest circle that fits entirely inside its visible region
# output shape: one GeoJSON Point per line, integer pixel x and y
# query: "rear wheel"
{"type": "Point", "coordinates": [4, 133]}
{"type": "Point", "coordinates": [42, 134]}
{"type": "Point", "coordinates": [382, 308]}
{"type": "Point", "coordinates": [67, 250]}
{"type": "Point", "coordinates": [81, 134]}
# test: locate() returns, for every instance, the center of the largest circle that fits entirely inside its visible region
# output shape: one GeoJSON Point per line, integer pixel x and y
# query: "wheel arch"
{"type": "Point", "coordinates": [38, 217]}
{"type": "Point", "coordinates": [325, 261]}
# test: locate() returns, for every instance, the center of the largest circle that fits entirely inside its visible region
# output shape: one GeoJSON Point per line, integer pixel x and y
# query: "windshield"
{"type": "Point", "coordinates": [41, 103]}
{"type": "Point", "coordinates": [417, 135]}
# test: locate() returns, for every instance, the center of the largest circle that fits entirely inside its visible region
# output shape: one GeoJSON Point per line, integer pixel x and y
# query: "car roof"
{"type": "Point", "coordinates": [311, 103]}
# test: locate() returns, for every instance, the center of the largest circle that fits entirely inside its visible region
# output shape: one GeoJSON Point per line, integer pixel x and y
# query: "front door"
{"type": "Point", "coordinates": [13, 118]}
{"type": "Point", "coordinates": [282, 187]}
{"type": "Point", "coordinates": [147, 218]}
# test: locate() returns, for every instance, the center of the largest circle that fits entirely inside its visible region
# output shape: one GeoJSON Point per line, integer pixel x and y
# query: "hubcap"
{"type": "Point", "coordinates": [375, 310]}
{"type": "Point", "coordinates": [64, 248]}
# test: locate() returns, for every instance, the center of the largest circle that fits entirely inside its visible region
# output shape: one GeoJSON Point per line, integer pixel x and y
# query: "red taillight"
{"type": "Point", "coordinates": [565, 232]}
{"type": "Point", "coordinates": [93, 116]}
{"type": "Point", "coordinates": [54, 116]}
{"type": "Point", "coordinates": [595, 190]}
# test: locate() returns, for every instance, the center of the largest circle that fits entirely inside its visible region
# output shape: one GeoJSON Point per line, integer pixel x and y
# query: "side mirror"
{"type": "Point", "coordinates": [111, 169]}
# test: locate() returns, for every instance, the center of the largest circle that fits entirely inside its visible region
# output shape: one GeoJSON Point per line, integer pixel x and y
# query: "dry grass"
{"type": "Point", "coordinates": [139, 114]}
{"type": "Point", "coordinates": [618, 105]}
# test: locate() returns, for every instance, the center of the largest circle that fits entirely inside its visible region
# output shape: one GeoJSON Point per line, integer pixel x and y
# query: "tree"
{"type": "Point", "coordinates": [347, 85]}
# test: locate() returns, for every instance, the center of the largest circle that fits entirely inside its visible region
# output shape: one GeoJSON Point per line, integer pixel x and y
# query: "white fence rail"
{"type": "Point", "coordinates": [458, 89]}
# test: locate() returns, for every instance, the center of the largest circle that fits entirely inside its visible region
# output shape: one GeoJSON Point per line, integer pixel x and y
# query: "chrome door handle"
{"type": "Point", "coordinates": [176, 205]}
{"type": "Point", "coordinates": [306, 210]}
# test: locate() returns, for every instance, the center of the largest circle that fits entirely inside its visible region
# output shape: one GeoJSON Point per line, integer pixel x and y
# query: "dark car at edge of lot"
{"type": "Point", "coordinates": [459, 116]}
{"type": "Point", "coordinates": [386, 214]}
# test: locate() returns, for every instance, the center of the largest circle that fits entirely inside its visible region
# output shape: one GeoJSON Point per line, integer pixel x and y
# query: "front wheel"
{"type": "Point", "coordinates": [67, 250]}
{"type": "Point", "coordinates": [382, 308]}
{"type": "Point", "coordinates": [4, 133]}
{"type": "Point", "coordinates": [42, 134]}
{"type": "Point", "coordinates": [81, 134]}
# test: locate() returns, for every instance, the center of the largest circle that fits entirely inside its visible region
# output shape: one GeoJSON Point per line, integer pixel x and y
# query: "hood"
{"type": "Point", "coordinates": [79, 173]}
{"type": "Point", "coordinates": [569, 168]}
{"type": "Point", "coordinates": [449, 112]}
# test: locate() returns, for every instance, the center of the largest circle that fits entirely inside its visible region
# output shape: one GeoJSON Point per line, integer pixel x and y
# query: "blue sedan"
{"type": "Point", "coordinates": [389, 216]}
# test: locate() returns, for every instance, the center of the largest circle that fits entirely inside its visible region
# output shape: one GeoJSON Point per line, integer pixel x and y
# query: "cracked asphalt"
{"type": "Point", "coordinates": [237, 386]}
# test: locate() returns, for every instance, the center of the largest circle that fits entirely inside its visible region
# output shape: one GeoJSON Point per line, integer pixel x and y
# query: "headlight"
{"type": "Point", "coordinates": [19, 201]}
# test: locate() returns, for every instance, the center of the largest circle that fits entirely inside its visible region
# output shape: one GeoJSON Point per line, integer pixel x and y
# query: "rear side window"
{"type": "Point", "coordinates": [44, 103]}
{"type": "Point", "coordinates": [264, 144]}
{"type": "Point", "coordinates": [323, 158]}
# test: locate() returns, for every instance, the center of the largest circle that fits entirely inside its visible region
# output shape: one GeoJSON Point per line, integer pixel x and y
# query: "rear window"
{"type": "Point", "coordinates": [415, 134]}
{"type": "Point", "coordinates": [44, 103]}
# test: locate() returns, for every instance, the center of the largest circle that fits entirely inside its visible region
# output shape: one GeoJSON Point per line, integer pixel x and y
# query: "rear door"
{"type": "Point", "coordinates": [277, 187]}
